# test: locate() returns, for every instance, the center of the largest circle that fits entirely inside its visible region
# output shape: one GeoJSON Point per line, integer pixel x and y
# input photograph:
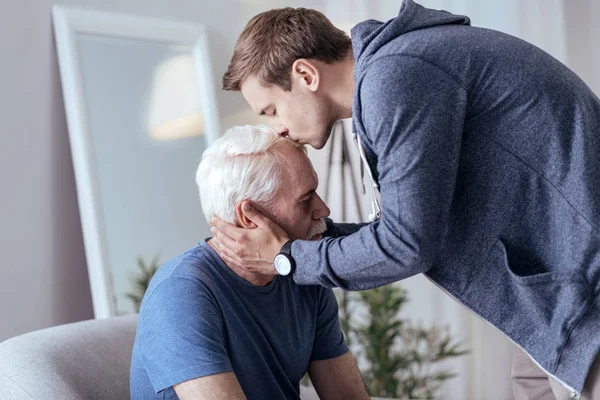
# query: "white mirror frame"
{"type": "Point", "coordinates": [68, 23]}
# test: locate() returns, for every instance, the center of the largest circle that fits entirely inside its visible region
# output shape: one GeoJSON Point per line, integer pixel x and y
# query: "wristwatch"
{"type": "Point", "coordinates": [284, 263]}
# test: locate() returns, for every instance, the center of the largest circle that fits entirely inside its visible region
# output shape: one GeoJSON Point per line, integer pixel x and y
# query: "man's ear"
{"type": "Point", "coordinates": [305, 73]}
{"type": "Point", "coordinates": [243, 221]}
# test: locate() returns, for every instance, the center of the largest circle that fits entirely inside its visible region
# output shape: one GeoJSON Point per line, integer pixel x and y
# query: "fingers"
{"type": "Point", "coordinates": [227, 255]}
{"type": "Point", "coordinates": [250, 249]}
{"type": "Point", "coordinates": [224, 241]}
{"type": "Point", "coordinates": [233, 259]}
{"type": "Point", "coordinates": [227, 229]}
{"type": "Point", "coordinates": [230, 261]}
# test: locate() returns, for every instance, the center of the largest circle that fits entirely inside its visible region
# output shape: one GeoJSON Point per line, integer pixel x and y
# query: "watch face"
{"type": "Point", "coordinates": [282, 264]}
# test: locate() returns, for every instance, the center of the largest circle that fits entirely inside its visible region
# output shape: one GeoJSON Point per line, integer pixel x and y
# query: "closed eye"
{"type": "Point", "coordinates": [305, 202]}
{"type": "Point", "coordinates": [263, 113]}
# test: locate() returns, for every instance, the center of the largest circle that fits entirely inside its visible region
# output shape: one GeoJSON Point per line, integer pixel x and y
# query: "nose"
{"type": "Point", "coordinates": [320, 209]}
{"type": "Point", "coordinates": [282, 130]}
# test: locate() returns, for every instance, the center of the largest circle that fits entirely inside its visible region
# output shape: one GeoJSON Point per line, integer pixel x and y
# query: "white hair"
{"type": "Point", "coordinates": [240, 165]}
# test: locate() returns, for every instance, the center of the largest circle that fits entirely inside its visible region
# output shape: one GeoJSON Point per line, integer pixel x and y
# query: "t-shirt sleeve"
{"type": "Point", "coordinates": [329, 340]}
{"type": "Point", "coordinates": [180, 333]}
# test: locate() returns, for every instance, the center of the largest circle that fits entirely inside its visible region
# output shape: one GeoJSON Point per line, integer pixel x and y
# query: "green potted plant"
{"type": "Point", "coordinates": [142, 280]}
{"type": "Point", "coordinates": [402, 360]}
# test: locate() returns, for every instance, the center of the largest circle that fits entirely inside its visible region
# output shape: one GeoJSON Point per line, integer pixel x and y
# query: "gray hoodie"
{"type": "Point", "coordinates": [487, 154]}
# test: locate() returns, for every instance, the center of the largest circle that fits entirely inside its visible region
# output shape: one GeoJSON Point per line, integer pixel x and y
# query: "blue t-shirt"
{"type": "Point", "coordinates": [199, 318]}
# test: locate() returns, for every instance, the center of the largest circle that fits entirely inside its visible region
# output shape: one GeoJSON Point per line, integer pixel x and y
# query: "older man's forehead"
{"type": "Point", "coordinates": [299, 171]}
{"type": "Point", "coordinates": [308, 183]}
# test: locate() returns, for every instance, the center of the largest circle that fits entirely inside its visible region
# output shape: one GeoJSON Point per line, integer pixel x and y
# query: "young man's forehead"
{"type": "Point", "coordinates": [258, 98]}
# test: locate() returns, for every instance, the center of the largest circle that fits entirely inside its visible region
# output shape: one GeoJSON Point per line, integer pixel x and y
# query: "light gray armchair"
{"type": "Point", "coordinates": [83, 360]}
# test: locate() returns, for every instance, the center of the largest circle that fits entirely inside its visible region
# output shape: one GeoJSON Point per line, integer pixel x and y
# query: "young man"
{"type": "Point", "coordinates": [486, 151]}
{"type": "Point", "coordinates": [210, 330]}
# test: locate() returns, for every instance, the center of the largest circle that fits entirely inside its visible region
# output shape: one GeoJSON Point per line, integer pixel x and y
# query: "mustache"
{"type": "Point", "coordinates": [318, 228]}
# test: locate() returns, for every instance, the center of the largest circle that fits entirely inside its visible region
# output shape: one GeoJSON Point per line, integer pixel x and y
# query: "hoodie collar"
{"type": "Point", "coordinates": [369, 36]}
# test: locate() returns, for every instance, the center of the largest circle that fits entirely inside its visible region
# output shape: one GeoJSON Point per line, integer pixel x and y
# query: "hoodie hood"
{"type": "Point", "coordinates": [369, 36]}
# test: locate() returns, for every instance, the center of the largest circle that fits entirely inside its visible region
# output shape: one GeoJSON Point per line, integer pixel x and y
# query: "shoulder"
{"type": "Point", "coordinates": [196, 266]}
{"type": "Point", "coordinates": [185, 282]}
{"type": "Point", "coordinates": [325, 297]}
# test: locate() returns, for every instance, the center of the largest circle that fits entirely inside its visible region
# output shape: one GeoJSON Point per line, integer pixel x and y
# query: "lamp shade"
{"type": "Point", "coordinates": [245, 116]}
{"type": "Point", "coordinates": [175, 109]}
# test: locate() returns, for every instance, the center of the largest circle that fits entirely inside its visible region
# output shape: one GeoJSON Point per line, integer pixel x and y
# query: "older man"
{"type": "Point", "coordinates": [210, 330]}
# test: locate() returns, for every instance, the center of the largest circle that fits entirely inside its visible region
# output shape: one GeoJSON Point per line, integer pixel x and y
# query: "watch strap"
{"type": "Point", "coordinates": [287, 247]}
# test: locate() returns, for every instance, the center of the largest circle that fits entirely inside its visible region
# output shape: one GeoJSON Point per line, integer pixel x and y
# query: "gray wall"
{"type": "Point", "coordinates": [582, 23]}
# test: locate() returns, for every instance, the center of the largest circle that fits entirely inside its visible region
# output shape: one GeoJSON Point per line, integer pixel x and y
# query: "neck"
{"type": "Point", "coordinates": [251, 277]}
{"type": "Point", "coordinates": [341, 79]}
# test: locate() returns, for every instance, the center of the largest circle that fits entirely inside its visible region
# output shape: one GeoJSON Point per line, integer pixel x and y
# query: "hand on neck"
{"type": "Point", "coordinates": [250, 277]}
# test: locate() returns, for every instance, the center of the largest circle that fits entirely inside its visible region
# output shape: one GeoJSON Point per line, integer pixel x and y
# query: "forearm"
{"type": "Point", "coordinates": [336, 230]}
{"type": "Point", "coordinates": [369, 258]}
{"type": "Point", "coordinates": [223, 386]}
{"type": "Point", "coordinates": [338, 379]}
{"type": "Point", "coordinates": [404, 242]}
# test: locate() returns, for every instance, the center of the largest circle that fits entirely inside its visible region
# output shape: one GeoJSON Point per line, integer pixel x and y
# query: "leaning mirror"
{"type": "Point", "coordinates": [140, 108]}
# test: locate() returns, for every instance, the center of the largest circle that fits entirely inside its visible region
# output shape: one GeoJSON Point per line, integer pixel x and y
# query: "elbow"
{"type": "Point", "coordinates": [409, 256]}
{"type": "Point", "coordinates": [412, 263]}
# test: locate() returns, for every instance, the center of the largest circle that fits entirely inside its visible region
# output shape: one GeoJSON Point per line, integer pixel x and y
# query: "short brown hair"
{"type": "Point", "coordinates": [273, 40]}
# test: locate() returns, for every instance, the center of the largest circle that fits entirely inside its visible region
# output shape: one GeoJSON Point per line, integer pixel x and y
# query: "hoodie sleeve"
{"type": "Point", "coordinates": [413, 114]}
{"type": "Point", "coordinates": [336, 230]}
